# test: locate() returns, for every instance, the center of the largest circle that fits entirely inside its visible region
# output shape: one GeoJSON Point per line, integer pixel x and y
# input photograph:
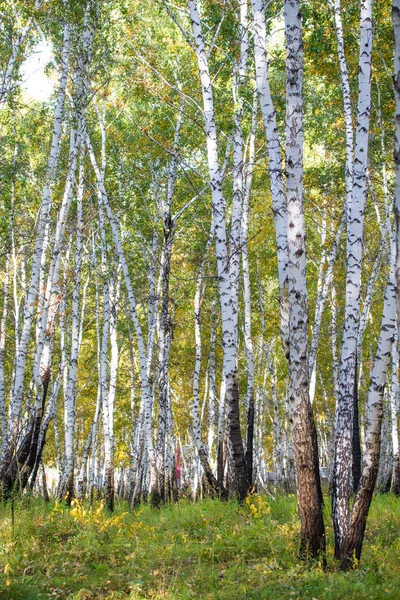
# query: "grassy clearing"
{"type": "Point", "coordinates": [209, 550]}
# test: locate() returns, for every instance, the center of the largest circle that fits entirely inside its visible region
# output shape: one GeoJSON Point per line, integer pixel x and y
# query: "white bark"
{"type": "Point", "coordinates": [367, 303]}
{"type": "Point", "coordinates": [394, 415]}
{"type": "Point", "coordinates": [355, 219]}
{"type": "Point", "coordinates": [322, 298]}
{"type": "Point", "coordinates": [396, 80]}
{"type": "Point", "coordinates": [226, 276]}
{"type": "Point", "coordinates": [248, 341]}
{"type": "Point", "coordinates": [3, 414]}
{"type": "Point", "coordinates": [116, 236]}
{"type": "Point", "coordinates": [203, 451]}
{"type": "Point", "coordinates": [275, 160]}
{"type": "Point", "coordinates": [346, 92]}
{"type": "Point", "coordinates": [152, 308]}
{"type": "Point", "coordinates": [309, 494]}
{"type": "Point", "coordinates": [51, 295]}
{"type": "Point", "coordinates": [352, 543]}
{"type": "Point", "coordinates": [16, 45]}
{"type": "Point", "coordinates": [70, 397]}
{"type": "Point", "coordinates": [18, 387]}
{"type": "Point", "coordinates": [165, 321]}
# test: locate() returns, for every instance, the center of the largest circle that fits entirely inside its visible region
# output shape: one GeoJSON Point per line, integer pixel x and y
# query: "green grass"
{"type": "Point", "coordinates": [208, 550]}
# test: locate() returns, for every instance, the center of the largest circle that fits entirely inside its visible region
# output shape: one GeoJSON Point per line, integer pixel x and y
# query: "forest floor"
{"type": "Point", "coordinates": [207, 550]}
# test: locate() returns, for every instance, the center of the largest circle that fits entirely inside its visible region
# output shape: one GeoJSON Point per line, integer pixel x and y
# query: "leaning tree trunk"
{"type": "Point", "coordinates": [351, 544]}
{"type": "Point", "coordinates": [44, 215]}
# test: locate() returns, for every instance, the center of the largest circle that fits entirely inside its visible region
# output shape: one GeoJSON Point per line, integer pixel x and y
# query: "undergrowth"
{"type": "Point", "coordinates": [208, 550]}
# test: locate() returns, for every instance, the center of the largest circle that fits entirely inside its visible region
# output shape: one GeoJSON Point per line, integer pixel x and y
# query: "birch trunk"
{"type": "Point", "coordinates": [228, 298]}
{"type": "Point", "coordinates": [351, 545]}
{"type": "Point", "coordinates": [394, 414]}
{"type": "Point", "coordinates": [321, 304]}
{"type": "Point", "coordinates": [147, 398]}
{"type": "Point", "coordinates": [48, 417]}
{"type": "Point", "coordinates": [347, 379]}
{"type": "Point", "coordinates": [16, 45]}
{"type": "Point", "coordinates": [275, 162]}
{"type": "Point", "coordinates": [51, 171]}
{"type": "Point", "coordinates": [396, 81]}
{"type": "Point", "coordinates": [67, 487]}
{"type": "Point", "coordinates": [165, 321]}
{"type": "Point", "coordinates": [212, 387]}
{"type": "Point", "coordinates": [250, 403]}
{"type": "Point", "coordinates": [3, 413]}
{"type": "Point", "coordinates": [309, 495]}
{"type": "Point", "coordinates": [109, 455]}
{"type": "Point", "coordinates": [215, 484]}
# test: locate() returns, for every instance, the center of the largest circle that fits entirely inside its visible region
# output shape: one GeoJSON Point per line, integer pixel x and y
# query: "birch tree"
{"type": "Point", "coordinates": [32, 290]}
{"type": "Point", "coordinates": [347, 377]}
{"type": "Point", "coordinates": [309, 493]}
{"type": "Point", "coordinates": [396, 81]}
{"type": "Point", "coordinates": [227, 286]}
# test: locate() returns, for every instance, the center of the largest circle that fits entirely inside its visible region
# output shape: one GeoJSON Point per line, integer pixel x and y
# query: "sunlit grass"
{"type": "Point", "coordinates": [207, 550]}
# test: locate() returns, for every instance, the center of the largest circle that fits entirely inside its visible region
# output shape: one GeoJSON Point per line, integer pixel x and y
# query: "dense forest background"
{"type": "Point", "coordinates": [161, 331]}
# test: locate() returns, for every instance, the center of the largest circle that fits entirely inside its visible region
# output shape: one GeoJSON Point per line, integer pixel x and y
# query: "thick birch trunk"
{"type": "Point", "coordinates": [309, 494]}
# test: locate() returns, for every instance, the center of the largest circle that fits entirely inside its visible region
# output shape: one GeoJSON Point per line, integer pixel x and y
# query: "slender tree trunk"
{"type": "Point", "coordinates": [275, 162]}
{"type": "Point", "coordinates": [3, 414]}
{"type": "Point", "coordinates": [228, 295]}
{"type": "Point", "coordinates": [48, 417]}
{"type": "Point", "coordinates": [396, 81]}
{"type": "Point", "coordinates": [247, 298]}
{"type": "Point", "coordinates": [394, 415]}
{"type": "Point", "coordinates": [44, 213]}
{"type": "Point", "coordinates": [352, 543]}
{"type": "Point", "coordinates": [345, 405]}
{"type": "Point", "coordinates": [16, 45]}
{"type": "Point", "coordinates": [215, 483]}
{"type": "Point", "coordinates": [320, 305]}
{"type": "Point", "coordinates": [146, 390]}
{"type": "Point", "coordinates": [67, 487]}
